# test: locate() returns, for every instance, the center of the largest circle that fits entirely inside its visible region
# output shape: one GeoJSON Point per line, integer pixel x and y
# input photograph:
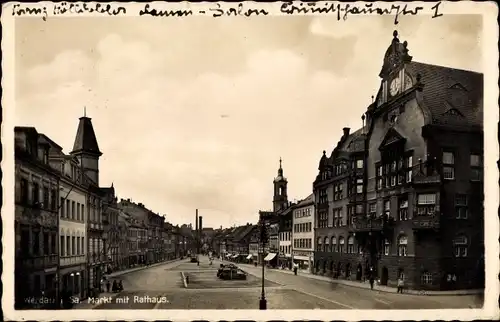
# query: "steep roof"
{"type": "Point", "coordinates": [453, 96]}
{"type": "Point", "coordinates": [308, 200]}
{"type": "Point", "coordinates": [85, 140]}
{"type": "Point", "coordinates": [244, 232]}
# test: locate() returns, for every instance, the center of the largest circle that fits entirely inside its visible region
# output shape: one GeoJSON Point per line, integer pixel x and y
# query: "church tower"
{"type": "Point", "coordinates": [86, 149]}
{"type": "Point", "coordinates": [280, 199]}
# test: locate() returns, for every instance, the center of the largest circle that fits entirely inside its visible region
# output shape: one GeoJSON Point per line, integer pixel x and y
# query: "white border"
{"type": "Point", "coordinates": [488, 10]}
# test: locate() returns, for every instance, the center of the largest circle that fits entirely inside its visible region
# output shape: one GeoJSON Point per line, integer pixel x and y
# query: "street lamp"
{"type": "Point", "coordinates": [263, 239]}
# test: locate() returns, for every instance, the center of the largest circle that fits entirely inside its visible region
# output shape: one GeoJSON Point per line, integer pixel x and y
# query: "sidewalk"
{"type": "Point", "coordinates": [84, 303]}
{"type": "Point", "coordinates": [381, 288]}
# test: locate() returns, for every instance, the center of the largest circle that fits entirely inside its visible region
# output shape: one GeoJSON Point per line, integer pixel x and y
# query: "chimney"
{"type": "Point", "coordinates": [346, 131]}
{"type": "Point", "coordinates": [201, 223]}
{"type": "Point", "coordinates": [128, 200]}
{"type": "Point", "coordinates": [196, 220]}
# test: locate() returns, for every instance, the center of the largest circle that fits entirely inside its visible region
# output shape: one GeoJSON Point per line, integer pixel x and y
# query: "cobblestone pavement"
{"type": "Point", "coordinates": [162, 287]}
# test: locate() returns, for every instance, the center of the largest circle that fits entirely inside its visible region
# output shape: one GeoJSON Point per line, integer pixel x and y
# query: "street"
{"type": "Point", "coordinates": [162, 287]}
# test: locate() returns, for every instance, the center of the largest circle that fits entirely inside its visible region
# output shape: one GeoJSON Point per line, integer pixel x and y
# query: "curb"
{"type": "Point", "coordinates": [408, 292]}
{"type": "Point", "coordinates": [184, 280]}
{"type": "Point", "coordinates": [141, 268]}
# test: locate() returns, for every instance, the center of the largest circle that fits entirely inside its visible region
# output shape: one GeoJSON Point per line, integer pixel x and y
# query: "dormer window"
{"type": "Point", "coordinates": [46, 156]}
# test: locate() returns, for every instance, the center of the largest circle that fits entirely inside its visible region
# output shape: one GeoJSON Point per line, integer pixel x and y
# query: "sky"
{"type": "Point", "coordinates": [196, 113]}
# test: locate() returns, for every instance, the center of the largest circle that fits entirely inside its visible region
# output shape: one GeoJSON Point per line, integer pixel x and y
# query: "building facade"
{"type": "Point", "coordinates": [112, 229]}
{"type": "Point", "coordinates": [414, 177]}
{"type": "Point", "coordinates": [285, 236]}
{"type": "Point", "coordinates": [72, 269]}
{"type": "Point", "coordinates": [303, 233]}
{"type": "Point", "coordinates": [36, 218]}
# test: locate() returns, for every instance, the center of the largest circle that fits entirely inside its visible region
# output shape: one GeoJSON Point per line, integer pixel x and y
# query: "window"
{"type": "Point", "coordinates": [36, 194]}
{"type": "Point", "coordinates": [359, 209]}
{"type": "Point", "coordinates": [337, 217]}
{"type": "Point", "coordinates": [45, 243]}
{"type": "Point", "coordinates": [387, 208]}
{"type": "Point", "coordinates": [334, 244]}
{"type": "Point", "coordinates": [372, 210]}
{"type": "Point", "coordinates": [24, 191]}
{"type": "Point", "coordinates": [337, 195]}
{"type": "Point", "coordinates": [53, 240]}
{"type": "Point", "coordinates": [409, 168]}
{"type": "Point", "coordinates": [73, 246]}
{"type": "Point", "coordinates": [359, 185]}
{"type": "Point", "coordinates": [62, 250]}
{"type": "Point", "coordinates": [341, 244]}
{"type": "Point", "coordinates": [323, 196]}
{"type": "Point", "coordinates": [387, 247]}
{"type": "Point", "coordinates": [83, 212]}
{"type": "Point", "coordinates": [323, 218]}
{"type": "Point", "coordinates": [350, 214]}
{"type": "Point", "coordinates": [68, 246]}
{"type": "Point", "coordinates": [460, 245]}
{"type": "Point", "coordinates": [461, 206]}
{"type": "Point", "coordinates": [379, 177]}
{"type": "Point", "coordinates": [426, 204]}
{"type": "Point", "coordinates": [46, 198]}
{"type": "Point", "coordinates": [448, 166]}
{"type": "Point", "coordinates": [25, 241]}
{"type": "Point", "coordinates": [350, 245]}
{"type": "Point", "coordinates": [402, 246]}
{"type": "Point", "coordinates": [73, 212]}
{"type": "Point", "coordinates": [83, 245]}
{"type": "Point", "coordinates": [68, 209]}
{"type": "Point", "coordinates": [320, 246]}
{"type": "Point", "coordinates": [403, 209]}
{"type": "Point", "coordinates": [36, 242]}
{"type": "Point", "coordinates": [53, 200]}
{"type": "Point", "coordinates": [476, 165]}
{"type": "Point", "coordinates": [426, 278]}
{"type": "Point", "coordinates": [326, 245]}
{"type": "Point", "coordinates": [359, 164]}
{"type": "Point", "coordinates": [62, 209]}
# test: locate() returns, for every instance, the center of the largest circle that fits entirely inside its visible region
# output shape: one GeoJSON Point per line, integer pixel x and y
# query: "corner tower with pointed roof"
{"type": "Point", "coordinates": [280, 198]}
{"type": "Point", "coordinates": [87, 150]}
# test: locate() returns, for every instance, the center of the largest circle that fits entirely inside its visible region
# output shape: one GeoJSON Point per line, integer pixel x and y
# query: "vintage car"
{"type": "Point", "coordinates": [231, 273]}
{"type": "Point", "coordinates": [194, 259]}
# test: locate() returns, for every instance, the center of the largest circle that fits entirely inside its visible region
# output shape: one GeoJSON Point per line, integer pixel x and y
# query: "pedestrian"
{"type": "Point", "coordinates": [400, 284]}
{"type": "Point", "coordinates": [120, 286]}
{"type": "Point", "coordinates": [295, 268]}
{"type": "Point", "coordinates": [372, 280]}
{"type": "Point", "coordinates": [108, 286]}
{"type": "Point", "coordinates": [115, 286]}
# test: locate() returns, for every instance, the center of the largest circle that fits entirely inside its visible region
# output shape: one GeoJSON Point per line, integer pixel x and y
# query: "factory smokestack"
{"type": "Point", "coordinates": [200, 225]}
{"type": "Point", "coordinates": [196, 221]}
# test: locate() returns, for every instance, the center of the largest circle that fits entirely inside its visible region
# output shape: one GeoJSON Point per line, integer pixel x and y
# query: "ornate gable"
{"type": "Point", "coordinates": [395, 56]}
{"type": "Point", "coordinates": [392, 137]}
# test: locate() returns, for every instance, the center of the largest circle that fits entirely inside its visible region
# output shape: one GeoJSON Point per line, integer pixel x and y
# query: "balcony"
{"type": "Point", "coordinates": [40, 262]}
{"type": "Point", "coordinates": [426, 222]}
{"type": "Point", "coordinates": [72, 260]}
{"type": "Point", "coordinates": [364, 224]}
{"type": "Point", "coordinates": [356, 197]}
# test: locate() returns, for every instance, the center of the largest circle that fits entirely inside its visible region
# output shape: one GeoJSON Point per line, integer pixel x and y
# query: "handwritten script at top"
{"type": "Point", "coordinates": [341, 10]}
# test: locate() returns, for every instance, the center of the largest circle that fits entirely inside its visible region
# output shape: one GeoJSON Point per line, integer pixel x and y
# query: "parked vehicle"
{"type": "Point", "coordinates": [231, 273]}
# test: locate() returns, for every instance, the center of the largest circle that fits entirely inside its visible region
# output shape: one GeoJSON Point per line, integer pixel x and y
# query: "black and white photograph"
{"type": "Point", "coordinates": [236, 160]}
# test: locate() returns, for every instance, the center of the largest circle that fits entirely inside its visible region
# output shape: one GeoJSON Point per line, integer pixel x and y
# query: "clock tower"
{"type": "Point", "coordinates": [395, 80]}
{"type": "Point", "coordinates": [280, 198]}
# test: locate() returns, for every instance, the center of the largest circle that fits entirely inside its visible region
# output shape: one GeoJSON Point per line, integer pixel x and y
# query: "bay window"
{"type": "Point", "coordinates": [323, 196]}
{"type": "Point", "coordinates": [395, 169]}
{"type": "Point", "coordinates": [372, 210]}
{"type": "Point", "coordinates": [359, 185]}
{"type": "Point", "coordinates": [322, 218]}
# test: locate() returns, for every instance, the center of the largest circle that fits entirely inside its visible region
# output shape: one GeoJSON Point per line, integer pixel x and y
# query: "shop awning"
{"type": "Point", "coordinates": [301, 258]}
{"type": "Point", "coordinates": [236, 255]}
{"type": "Point", "coordinates": [249, 256]}
{"type": "Point", "coordinates": [270, 256]}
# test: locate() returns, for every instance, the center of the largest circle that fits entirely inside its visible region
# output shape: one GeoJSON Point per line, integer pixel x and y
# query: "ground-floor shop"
{"type": "Point", "coordinates": [73, 280]}
{"type": "Point", "coordinates": [304, 259]}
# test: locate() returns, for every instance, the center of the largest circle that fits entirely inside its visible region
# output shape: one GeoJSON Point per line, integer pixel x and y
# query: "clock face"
{"type": "Point", "coordinates": [395, 86]}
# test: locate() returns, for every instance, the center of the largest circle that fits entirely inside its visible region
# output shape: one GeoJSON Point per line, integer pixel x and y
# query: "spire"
{"type": "Point", "coordinates": [85, 111]}
{"type": "Point", "coordinates": [280, 170]}
{"type": "Point", "coordinates": [85, 141]}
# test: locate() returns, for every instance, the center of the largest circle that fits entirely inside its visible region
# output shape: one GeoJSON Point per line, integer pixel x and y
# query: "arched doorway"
{"type": "Point", "coordinates": [385, 276]}
{"type": "Point", "coordinates": [347, 270]}
{"type": "Point", "coordinates": [359, 272]}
